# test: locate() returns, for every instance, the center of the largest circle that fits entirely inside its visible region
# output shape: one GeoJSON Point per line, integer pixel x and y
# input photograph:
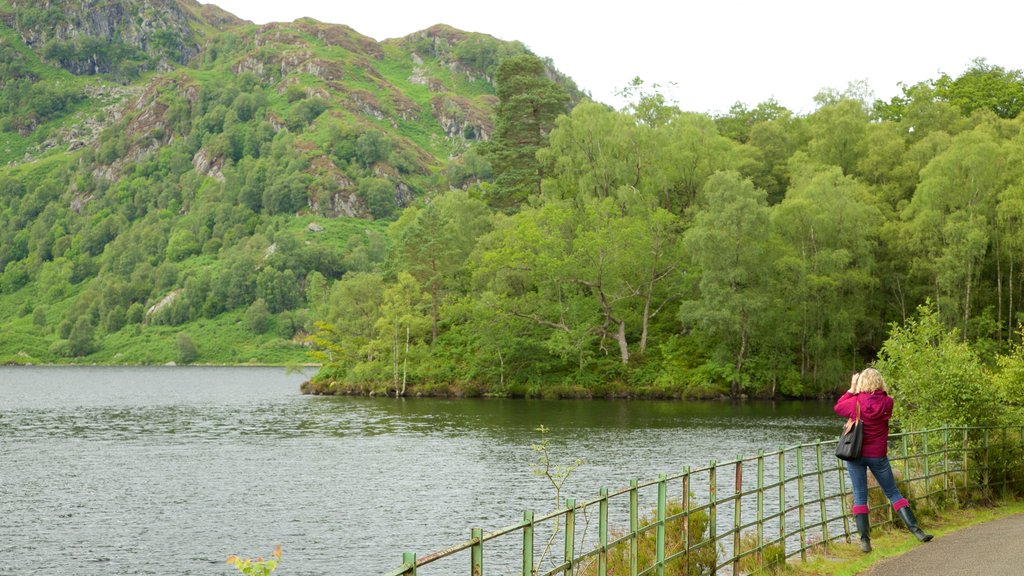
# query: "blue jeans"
{"type": "Point", "coordinates": [882, 472]}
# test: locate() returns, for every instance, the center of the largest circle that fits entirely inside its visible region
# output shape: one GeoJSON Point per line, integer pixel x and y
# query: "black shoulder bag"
{"type": "Point", "coordinates": [852, 439]}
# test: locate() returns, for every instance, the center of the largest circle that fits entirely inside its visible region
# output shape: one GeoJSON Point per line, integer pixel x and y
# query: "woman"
{"type": "Point", "coordinates": [868, 390]}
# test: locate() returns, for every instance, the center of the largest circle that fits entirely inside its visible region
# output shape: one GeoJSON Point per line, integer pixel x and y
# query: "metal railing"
{"type": "Point", "coordinates": [739, 517]}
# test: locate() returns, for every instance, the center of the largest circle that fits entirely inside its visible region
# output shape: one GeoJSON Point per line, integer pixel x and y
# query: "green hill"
{"type": "Point", "coordinates": [174, 181]}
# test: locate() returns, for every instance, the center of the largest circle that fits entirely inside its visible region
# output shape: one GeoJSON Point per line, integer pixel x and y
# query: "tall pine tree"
{"type": "Point", "coordinates": [528, 103]}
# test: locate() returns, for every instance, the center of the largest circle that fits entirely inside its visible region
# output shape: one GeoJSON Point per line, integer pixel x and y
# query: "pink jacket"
{"type": "Point", "coordinates": [875, 411]}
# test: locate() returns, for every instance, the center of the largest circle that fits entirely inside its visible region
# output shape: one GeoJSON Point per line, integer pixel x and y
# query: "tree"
{"type": "Point", "coordinates": [379, 195]}
{"type": "Point", "coordinates": [648, 106]}
{"type": "Point", "coordinates": [401, 328]}
{"type": "Point", "coordinates": [586, 272]}
{"type": "Point", "coordinates": [594, 151]}
{"type": "Point", "coordinates": [728, 243]}
{"type": "Point", "coordinates": [984, 86]}
{"type": "Point", "coordinates": [81, 340]}
{"type": "Point", "coordinates": [1010, 217]}
{"type": "Point", "coordinates": [828, 233]}
{"type": "Point", "coordinates": [694, 150]}
{"type": "Point", "coordinates": [934, 376]}
{"type": "Point", "coordinates": [521, 268]}
{"type": "Point", "coordinates": [186, 349]}
{"type": "Point", "coordinates": [952, 220]}
{"type": "Point", "coordinates": [257, 316]}
{"type": "Point", "coordinates": [350, 319]}
{"type": "Point", "coordinates": [528, 103]}
{"type": "Point", "coordinates": [837, 134]}
{"type": "Point", "coordinates": [432, 243]}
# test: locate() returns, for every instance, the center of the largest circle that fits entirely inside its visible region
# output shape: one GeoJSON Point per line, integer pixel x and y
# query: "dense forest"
{"type": "Point", "coordinates": [447, 214]}
{"type": "Point", "coordinates": [658, 252]}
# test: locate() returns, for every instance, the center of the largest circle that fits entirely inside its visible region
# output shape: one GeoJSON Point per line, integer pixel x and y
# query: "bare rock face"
{"type": "Point", "coordinates": [460, 119]}
{"type": "Point", "coordinates": [334, 193]}
{"type": "Point", "coordinates": [162, 30]}
{"type": "Point", "coordinates": [208, 165]}
{"type": "Point", "coordinates": [164, 302]}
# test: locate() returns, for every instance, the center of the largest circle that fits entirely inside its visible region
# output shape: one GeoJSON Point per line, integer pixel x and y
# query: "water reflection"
{"type": "Point", "coordinates": [131, 470]}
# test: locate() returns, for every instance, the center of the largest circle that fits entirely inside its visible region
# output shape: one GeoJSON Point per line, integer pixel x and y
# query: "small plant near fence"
{"type": "Point", "coordinates": [687, 547]}
{"type": "Point", "coordinates": [257, 566]}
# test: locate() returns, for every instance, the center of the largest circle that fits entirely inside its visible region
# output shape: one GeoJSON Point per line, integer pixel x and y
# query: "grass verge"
{"type": "Point", "coordinates": [847, 559]}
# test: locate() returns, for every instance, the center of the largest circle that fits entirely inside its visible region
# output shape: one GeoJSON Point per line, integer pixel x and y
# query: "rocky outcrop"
{"type": "Point", "coordinates": [334, 193]}
{"type": "Point", "coordinates": [208, 165]}
{"type": "Point", "coordinates": [164, 302]}
{"type": "Point", "coordinates": [460, 118]}
{"type": "Point", "coordinates": [341, 35]}
{"type": "Point", "coordinates": [78, 32]}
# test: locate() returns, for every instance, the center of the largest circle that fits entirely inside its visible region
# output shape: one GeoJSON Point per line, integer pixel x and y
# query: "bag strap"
{"type": "Point", "coordinates": [857, 419]}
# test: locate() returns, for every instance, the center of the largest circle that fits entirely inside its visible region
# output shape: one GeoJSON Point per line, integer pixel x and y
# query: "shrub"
{"type": "Point", "coordinates": [257, 316]}
{"type": "Point", "coordinates": [770, 559]}
{"type": "Point", "coordinates": [934, 376]}
{"type": "Point", "coordinates": [702, 556]}
{"type": "Point", "coordinates": [187, 351]}
{"type": "Point", "coordinates": [257, 566]}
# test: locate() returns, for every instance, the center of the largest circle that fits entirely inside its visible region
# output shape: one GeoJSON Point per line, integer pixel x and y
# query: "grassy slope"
{"type": "Point", "coordinates": [224, 339]}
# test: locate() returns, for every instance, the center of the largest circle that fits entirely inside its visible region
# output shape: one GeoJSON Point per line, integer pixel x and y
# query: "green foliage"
{"type": "Point", "coordinates": [379, 195]}
{"type": "Point", "coordinates": [1008, 381]}
{"type": "Point", "coordinates": [769, 559]}
{"type": "Point", "coordinates": [187, 352]}
{"type": "Point", "coordinates": [92, 55]}
{"type": "Point", "coordinates": [257, 316]}
{"type": "Point", "coordinates": [725, 242]}
{"type": "Point", "coordinates": [81, 340]}
{"type": "Point", "coordinates": [528, 103]}
{"type": "Point", "coordinates": [934, 376]}
{"type": "Point", "coordinates": [694, 526]}
{"type": "Point", "coordinates": [984, 87]}
{"type": "Point", "coordinates": [257, 566]}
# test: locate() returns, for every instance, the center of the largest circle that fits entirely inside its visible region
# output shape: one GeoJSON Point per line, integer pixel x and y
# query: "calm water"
{"type": "Point", "coordinates": [111, 471]}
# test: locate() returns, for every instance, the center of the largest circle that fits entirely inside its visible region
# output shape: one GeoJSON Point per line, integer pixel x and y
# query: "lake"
{"type": "Point", "coordinates": [168, 470]}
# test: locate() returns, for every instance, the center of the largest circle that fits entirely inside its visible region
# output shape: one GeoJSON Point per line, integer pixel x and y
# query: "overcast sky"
{"type": "Point", "coordinates": [707, 55]}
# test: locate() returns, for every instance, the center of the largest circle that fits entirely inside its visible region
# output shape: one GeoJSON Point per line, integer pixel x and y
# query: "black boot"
{"type": "Point", "coordinates": [908, 518]}
{"type": "Point", "coordinates": [864, 528]}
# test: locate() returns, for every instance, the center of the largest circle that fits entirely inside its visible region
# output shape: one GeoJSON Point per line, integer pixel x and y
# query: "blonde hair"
{"type": "Point", "coordinates": [870, 380]}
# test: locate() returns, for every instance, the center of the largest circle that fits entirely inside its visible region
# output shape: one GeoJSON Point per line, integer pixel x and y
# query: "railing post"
{"type": "Point", "coordinates": [945, 461]}
{"type": "Point", "coordinates": [634, 527]}
{"type": "Point", "coordinates": [570, 536]}
{"type": "Point", "coordinates": [1004, 484]}
{"type": "Point", "coordinates": [760, 508]}
{"type": "Point", "coordinates": [713, 512]}
{"type": "Point", "coordinates": [782, 499]}
{"type": "Point", "coordinates": [737, 520]}
{"type": "Point", "coordinates": [660, 531]}
{"type": "Point", "coordinates": [1022, 446]}
{"type": "Point", "coordinates": [842, 500]}
{"type": "Point", "coordinates": [476, 554]}
{"type": "Point", "coordinates": [927, 469]}
{"type": "Point", "coordinates": [905, 454]}
{"type": "Point", "coordinates": [528, 543]}
{"type": "Point", "coordinates": [602, 536]}
{"type": "Point", "coordinates": [800, 501]}
{"type": "Point", "coordinates": [409, 559]}
{"type": "Point", "coordinates": [821, 497]}
{"type": "Point", "coordinates": [686, 514]}
{"type": "Point", "coordinates": [988, 470]}
{"type": "Point", "coordinates": [967, 459]}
